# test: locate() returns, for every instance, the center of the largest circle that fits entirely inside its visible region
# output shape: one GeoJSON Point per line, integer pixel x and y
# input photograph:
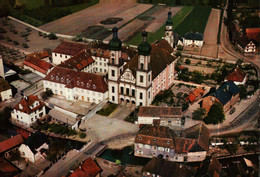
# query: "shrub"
{"type": "Point", "coordinates": [82, 135]}
{"type": "Point", "coordinates": [2, 30]}
{"type": "Point", "coordinates": [40, 33]}
{"type": "Point", "coordinates": [187, 61]}
{"type": "Point", "coordinates": [47, 93]}
{"type": "Point", "coordinates": [52, 36]}
{"type": "Point", "coordinates": [16, 43]}
{"type": "Point", "coordinates": [24, 34]}
{"type": "Point", "coordinates": [25, 45]}
{"type": "Point", "coordinates": [28, 29]}
{"type": "Point", "coordinates": [8, 39]}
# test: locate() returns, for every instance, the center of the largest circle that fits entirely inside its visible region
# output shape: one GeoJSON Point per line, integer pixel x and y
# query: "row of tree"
{"type": "Point", "coordinates": [62, 3]}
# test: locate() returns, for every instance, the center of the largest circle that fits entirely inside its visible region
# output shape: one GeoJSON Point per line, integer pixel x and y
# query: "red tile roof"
{"type": "Point", "coordinates": [40, 55]}
{"type": "Point", "coordinates": [7, 169]}
{"type": "Point", "coordinates": [200, 133]}
{"type": "Point", "coordinates": [69, 48]}
{"type": "Point", "coordinates": [237, 75]}
{"type": "Point", "coordinates": [191, 97]}
{"type": "Point", "coordinates": [164, 45]}
{"type": "Point", "coordinates": [11, 143]}
{"type": "Point", "coordinates": [156, 136]}
{"type": "Point", "coordinates": [183, 145]}
{"type": "Point", "coordinates": [157, 111]}
{"type": "Point", "coordinates": [38, 64]}
{"type": "Point", "coordinates": [105, 53]}
{"type": "Point", "coordinates": [78, 79]}
{"type": "Point", "coordinates": [26, 104]}
{"type": "Point", "coordinates": [78, 61]}
{"type": "Point", "coordinates": [253, 33]}
{"type": "Point", "coordinates": [88, 168]}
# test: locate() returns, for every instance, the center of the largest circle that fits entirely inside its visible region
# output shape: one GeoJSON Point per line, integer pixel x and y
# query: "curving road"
{"type": "Point", "coordinates": [252, 111]}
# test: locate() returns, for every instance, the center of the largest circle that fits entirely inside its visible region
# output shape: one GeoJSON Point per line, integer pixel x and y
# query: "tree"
{"type": "Point", "coordinates": [5, 8]}
{"type": "Point", "coordinates": [242, 92]}
{"type": "Point", "coordinates": [82, 135]}
{"type": "Point", "coordinates": [47, 93]}
{"type": "Point", "coordinates": [187, 61]}
{"type": "Point", "coordinates": [215, 115]}
{"type": "Point", "coordinates": [52, 36]}
{"type": "Point", "coordinates": [5, 116]}
{"type": "Point", "coordinates": [198, 114]}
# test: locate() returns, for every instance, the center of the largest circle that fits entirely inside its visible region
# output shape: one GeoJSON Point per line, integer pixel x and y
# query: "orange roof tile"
{"type": "Point", "coordinates": [253, 33]}
{"type": "Point", "coordinates": [88, 168]}
{"type": "Point", "coordinates": [38, 64]}
{"type": "Point", "coordinates": [26, 102]}
{"type": "Point", "coordinates": [69, 48]}
{"type": "Point", "coordinates": [237, 75]}
{"type": "Point", "coordinates": [11, 143]}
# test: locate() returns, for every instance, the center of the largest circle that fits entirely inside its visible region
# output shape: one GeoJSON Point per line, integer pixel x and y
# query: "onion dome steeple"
{"type": "Point", "coordinates": [144, 48]}
{"type": "Point", "coordinates": [115, 43]}
{"type": "Point", "coordinates": [169, 20]}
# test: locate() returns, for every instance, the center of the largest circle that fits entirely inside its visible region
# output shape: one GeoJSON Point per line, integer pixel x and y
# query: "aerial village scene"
{"type": "Point", "coordinates": [129, 88]}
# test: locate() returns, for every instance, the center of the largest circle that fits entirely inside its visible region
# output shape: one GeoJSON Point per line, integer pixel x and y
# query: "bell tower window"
{"type": "Point", "coordinates": [142, 66]}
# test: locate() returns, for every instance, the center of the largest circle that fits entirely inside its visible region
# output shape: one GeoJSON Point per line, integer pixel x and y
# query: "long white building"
{"type": "Point", "coordinates": [76, 85]}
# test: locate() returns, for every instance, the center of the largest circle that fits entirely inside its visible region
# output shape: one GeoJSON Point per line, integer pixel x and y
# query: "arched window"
{"type": "Point", "coordinates": [142, 66]}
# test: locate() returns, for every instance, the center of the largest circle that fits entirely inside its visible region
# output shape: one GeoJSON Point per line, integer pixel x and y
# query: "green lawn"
{"type": "Point", "coordinates": [152, 37]}
{"type": "Point", "coordinates": [195, 22]}
{"type": "Point", "coordinates": [32, 4]}
{"type": "Point", "coordinates": [36, 14]}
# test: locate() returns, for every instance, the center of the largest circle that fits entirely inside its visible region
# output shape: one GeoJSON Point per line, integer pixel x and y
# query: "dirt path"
{"type": "Point", "coordinates": [75, 23]}
{"type": "Point", "coordinates": [210, 47]}
{"type": "Point", "coordinates": [211, 30]}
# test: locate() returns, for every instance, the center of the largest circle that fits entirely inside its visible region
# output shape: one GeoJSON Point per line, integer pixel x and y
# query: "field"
{"type": "Point", "coordinates": [36, 13]}
{"type": "Point", "coordinates": [196, 21]}
{"type": "Point", "coordinates": [152, 37]}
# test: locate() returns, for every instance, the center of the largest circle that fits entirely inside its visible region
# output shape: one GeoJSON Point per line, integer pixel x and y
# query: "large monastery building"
{"type": "Point", "coordinates": [133, 76]}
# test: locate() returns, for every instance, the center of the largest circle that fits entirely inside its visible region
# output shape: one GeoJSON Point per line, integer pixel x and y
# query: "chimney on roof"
{"type": "Point", "coordinates": [2, 72]}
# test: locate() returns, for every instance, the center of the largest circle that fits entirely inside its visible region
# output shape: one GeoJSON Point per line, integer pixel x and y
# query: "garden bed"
{"type": "Point", "coordinates": [107, 109]}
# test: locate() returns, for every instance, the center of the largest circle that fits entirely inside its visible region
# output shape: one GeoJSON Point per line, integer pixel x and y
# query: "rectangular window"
{"type": "Point", "coordinates": [113, 98]}
{"type": "Point", "coordinates": [113, 89]}
{"type": "Point", "coordinates": [148, 94]}
{"type": "Point", "coordinates": [141, 79]}
{"type": "Point", "coordinates": [149, 78]}
{"type": "Point", "coordinates": [122, 90]}
{"type": "Point", "coordinates": [133, 93]}
{"type": "Point", "coordinates": [141, 95]}
{"type": "Point", "coordinates": [113, 73]}
{"type": "Point", "coordinates": [31, 119]}
{"type": "Point", "coordinates": [127, 91]}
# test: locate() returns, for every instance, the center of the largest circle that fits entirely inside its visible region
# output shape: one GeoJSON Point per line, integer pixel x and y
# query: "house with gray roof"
{"type": "Point", "coordinates": [193, 39]}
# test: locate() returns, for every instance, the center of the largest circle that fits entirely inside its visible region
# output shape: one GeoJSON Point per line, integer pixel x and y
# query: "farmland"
{"type": "Point", "coordinates": [177, 19]}
{"type": "Point", "coordinates": [196, 21]}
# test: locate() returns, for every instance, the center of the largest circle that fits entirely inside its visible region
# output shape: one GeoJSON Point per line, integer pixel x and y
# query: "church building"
{"type": "Point", "coordinates": [146, 74]}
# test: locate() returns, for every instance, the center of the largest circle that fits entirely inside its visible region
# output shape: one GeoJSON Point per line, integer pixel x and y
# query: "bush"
{"type": "Point", "coordinates": [47, 93]}
{"type": "Point", "coordinates": [82, 135]}
{"type": "Point", "coordinates": [28, 29]}
{"type": "Point", "coordinates": [25, 45]}
{"type": "Point", "coordinates": [40, 33]}
{"type": "Point", "coordinates": [52, 36]}
{"type": "Point", "coordinates": [24, 33]}
{"type": "Point", "coordinates": [8, 39]}
{"type": "Point", "coordinates": [16, 43]}
{"type": "Point", "coordinates": [2, 30]}
{"type": "Point", "coordinates": [187, 61]}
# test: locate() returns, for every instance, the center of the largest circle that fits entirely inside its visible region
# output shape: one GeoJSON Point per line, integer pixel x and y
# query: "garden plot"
{"type": "Point", "coordinates": [204, 69]}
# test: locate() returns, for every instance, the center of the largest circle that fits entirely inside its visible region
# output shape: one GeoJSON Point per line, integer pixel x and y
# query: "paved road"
{"type": "Point", "coordinates": [249, 114]}
{"type": "Point", "coordinates": [253, 110]}
{"type": "Point", "coordinates": [62, 167]}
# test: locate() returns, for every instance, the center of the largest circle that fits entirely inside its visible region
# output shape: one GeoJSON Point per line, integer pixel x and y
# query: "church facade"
{"type": "Point", "coordinates": [146, 74]}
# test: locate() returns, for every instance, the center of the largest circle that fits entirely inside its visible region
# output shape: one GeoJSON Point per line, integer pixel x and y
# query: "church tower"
{"type": "Point", "coordinates": [144, 73]}
{"type": "Point", "coordinates": [169, 37]}
{"type": "Point", "coordinates": [115, 66]}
